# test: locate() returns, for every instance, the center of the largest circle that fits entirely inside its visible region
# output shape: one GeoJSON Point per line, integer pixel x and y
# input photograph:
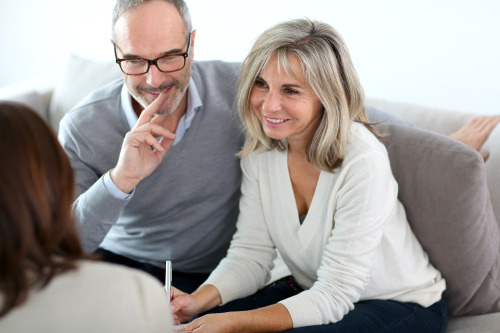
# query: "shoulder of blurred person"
{"type": "Point", "coordinates": [75, 301]}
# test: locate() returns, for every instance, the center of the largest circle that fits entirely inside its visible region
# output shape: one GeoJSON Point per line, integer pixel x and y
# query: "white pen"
{"type": "Point", "coordinates": [168, 278]}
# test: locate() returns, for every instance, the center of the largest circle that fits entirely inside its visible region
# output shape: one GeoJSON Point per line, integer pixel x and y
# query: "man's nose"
{"type": "Point", "coordinates": [154, 77]}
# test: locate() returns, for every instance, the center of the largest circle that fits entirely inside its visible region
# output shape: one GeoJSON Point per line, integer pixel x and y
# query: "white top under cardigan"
{"type": "Point", "coordinates": [355, 243]}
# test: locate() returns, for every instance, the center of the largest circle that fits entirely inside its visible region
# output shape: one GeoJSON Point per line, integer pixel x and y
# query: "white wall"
{"type": "Point", "coordinates": [443, 53]}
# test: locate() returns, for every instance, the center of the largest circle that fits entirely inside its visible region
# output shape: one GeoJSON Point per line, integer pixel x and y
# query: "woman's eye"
{"type": "Point", "coordinates": [260, 83]}
{"type": "Point", "coordinates": [291, 91]}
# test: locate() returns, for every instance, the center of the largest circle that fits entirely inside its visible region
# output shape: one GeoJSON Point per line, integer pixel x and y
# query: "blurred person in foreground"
{"type": "Point", "coordinates": [47, 283]}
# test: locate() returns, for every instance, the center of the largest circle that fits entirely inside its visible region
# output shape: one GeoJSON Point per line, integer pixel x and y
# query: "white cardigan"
{"type": "Point", "coordinates": [96, 297]}
{"type": "Point", "coordinates": [355, 243]}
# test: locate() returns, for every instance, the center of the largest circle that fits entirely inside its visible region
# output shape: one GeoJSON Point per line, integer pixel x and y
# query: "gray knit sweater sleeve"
{"type": "Point", "coordinates": [94, 205]}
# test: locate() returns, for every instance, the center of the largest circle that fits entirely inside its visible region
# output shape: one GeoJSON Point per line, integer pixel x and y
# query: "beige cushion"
{"type": "Point", "coordinates": [32, 99]}
{"type": "Point", "coordinates": [434, 119]}
{"type": "Point", "coordinates": [80, 77]}
{"type": "Point", "coordinates": [488, 323]}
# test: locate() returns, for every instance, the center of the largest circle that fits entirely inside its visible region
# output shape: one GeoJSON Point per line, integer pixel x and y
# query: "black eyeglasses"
{"type": "Point", "coordinates": [166, 64]}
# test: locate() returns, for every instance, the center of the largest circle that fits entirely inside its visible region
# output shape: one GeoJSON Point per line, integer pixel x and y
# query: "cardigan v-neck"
{"type": "Point", "coordinates": [304, 231]}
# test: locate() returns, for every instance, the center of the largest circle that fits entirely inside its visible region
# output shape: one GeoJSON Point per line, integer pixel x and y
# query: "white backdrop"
{"type": "Point", "coordinates": [443, 53]}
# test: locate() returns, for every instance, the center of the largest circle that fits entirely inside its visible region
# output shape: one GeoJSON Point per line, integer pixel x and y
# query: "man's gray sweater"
{"type": "Point", "coordinates": [186, 210]}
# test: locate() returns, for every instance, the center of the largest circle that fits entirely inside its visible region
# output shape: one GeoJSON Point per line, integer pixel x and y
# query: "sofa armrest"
{"type": "Point", "coordinates": [488, 323]}
{"type": "Point", "coordinates": [492, 145]}
{"type": "Point", "coordinates": [433, 119]}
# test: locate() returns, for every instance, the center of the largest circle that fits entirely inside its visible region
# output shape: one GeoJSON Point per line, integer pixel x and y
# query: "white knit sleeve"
{"type": "Point", "coordinates": [247, 265]}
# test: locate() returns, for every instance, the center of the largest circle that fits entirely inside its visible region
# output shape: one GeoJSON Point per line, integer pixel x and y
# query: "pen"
{"type": "Point", "coordinates": [168, 277]}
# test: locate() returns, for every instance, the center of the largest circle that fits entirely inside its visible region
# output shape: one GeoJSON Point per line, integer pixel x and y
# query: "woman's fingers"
{"type": "Point", "coordinates": [476, 131]}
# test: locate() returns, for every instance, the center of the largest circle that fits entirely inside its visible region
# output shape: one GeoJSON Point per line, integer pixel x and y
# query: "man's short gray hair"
{"type": "Point", "coordinates": [123, 6]}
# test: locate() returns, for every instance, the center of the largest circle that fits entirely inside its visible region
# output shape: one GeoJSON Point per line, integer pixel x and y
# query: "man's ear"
{"type": "Point", "coordinates": [112, 44]}
{"type": "Point", "coordinates": [193, 35]}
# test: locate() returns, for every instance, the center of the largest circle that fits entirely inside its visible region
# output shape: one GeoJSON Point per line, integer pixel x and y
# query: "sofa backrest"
{"type": "Point", "coordinates": [80, 77]}
{"type": "Point", "coordinates": [442, 185]}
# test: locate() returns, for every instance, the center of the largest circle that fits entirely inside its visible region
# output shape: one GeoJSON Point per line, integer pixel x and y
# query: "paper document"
{"type": "Point", "coordinates": [176, 327]}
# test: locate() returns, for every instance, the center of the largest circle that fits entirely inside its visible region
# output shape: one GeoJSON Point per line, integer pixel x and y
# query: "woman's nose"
{"type": "Point", "coordinates": [272, 102]}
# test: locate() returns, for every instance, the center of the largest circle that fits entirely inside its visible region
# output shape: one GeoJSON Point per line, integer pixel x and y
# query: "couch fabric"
{"type": "Point", "coordinates": [442, 184]}
{"type": "Point", "coordinates": [447, 122]}
{"type": "Point", "coordinates": [79, 79]}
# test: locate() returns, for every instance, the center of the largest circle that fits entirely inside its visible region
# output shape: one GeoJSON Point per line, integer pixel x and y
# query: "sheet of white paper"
{"type": "Point", "coordinates": [176, 327]}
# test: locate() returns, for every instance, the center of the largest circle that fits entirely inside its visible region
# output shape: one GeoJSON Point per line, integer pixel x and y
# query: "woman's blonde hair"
{"type": "Point", "coordinates": [328, 70]}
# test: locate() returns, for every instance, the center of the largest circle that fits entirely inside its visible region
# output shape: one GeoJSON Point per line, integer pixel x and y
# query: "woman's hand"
{"type": "Point", "coordinates": [216, 323]}
{"type": "Point", "coordinates": [476, 132]}
{"type": "Point", "coordinates": [272, 318]}
{"type": "Point", "coordinates": [183, 306]}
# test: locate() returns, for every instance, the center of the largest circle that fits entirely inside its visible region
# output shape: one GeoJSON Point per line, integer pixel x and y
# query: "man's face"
{"type": "Point", "coordinates": [151, 30]}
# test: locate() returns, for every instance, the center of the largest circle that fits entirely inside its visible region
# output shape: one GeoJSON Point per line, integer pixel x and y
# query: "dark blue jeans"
{"type": "Point", "coordinates": [369, 316]}
{"type": "Point", "coordinates": [186, 282]}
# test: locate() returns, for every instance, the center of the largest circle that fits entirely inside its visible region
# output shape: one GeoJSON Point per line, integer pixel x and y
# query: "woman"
{"type": "Point", "coordinates": [318, 187]}
{"type": "Point", "coordinates": [47, 284]}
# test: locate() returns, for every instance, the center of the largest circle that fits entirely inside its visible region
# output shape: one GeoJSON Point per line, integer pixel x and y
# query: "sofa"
{"type": "Point", "coordinates": [451, 197]}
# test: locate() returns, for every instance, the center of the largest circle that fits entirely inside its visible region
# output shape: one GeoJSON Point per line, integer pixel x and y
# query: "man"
{"type": "Point", "coordinates": [142, 201]}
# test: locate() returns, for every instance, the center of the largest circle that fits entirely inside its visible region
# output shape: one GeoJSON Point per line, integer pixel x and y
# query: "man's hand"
{"type": "Point", "coordinates": [476, 131]}
{"type": "Point", "coordinates": [141, 153]}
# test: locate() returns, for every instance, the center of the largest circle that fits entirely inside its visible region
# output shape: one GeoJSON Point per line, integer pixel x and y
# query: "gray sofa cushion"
{"type": "Point", "coordinates": [442, 184]}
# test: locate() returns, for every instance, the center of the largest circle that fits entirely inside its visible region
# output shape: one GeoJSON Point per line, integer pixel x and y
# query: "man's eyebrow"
{"type": "Point", "coordinates": [135, 56]}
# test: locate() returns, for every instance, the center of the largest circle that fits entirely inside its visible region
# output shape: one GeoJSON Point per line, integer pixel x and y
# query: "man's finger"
{"type": "Point", "coordinates": [137, 139]}
{"type": "Point", "coordinates": [151, 110]}
{"type": "Point", "coordinates": [155, 130]}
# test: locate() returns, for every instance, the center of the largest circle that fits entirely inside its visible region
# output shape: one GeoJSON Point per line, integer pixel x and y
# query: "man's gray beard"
{"type": "Point", "coordinates": [167, 110]}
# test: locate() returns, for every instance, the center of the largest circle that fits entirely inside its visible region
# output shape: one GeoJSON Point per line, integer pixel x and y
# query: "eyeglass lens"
{"type": "Point", "coordinates": [165, 64]}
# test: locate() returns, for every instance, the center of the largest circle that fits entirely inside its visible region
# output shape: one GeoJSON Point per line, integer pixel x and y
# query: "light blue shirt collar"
{"type": "Point", "coordinates": [193, 106]}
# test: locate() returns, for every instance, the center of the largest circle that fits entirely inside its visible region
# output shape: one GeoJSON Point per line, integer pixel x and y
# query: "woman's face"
{"type": "Point", "coordinates": [286, 107]}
